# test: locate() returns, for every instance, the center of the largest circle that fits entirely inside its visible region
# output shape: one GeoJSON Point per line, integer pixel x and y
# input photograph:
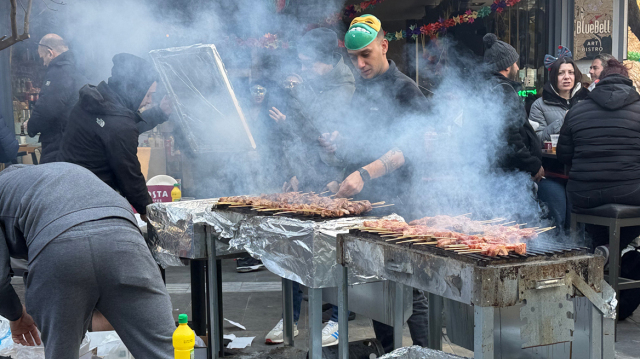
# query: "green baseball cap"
{"type": "Point", "coordinates": [362, 31]}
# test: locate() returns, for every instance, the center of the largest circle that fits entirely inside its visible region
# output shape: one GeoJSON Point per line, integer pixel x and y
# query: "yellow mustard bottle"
{"type": "Point", "coordinates": [184, 339]}
{"type": "Point", "coordinates": [176, 193]}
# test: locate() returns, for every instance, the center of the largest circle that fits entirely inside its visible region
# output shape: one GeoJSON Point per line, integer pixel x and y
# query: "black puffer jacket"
{"type": "Point", "coordinates": [523, 151]}
{"type": "Point", "coordinates": [58, 95]}
{"type": "Point", "coordinates": [600, 137]}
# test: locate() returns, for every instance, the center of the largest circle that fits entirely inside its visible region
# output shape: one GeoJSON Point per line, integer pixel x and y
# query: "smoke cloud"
{"type": "Point", "coordinates": [456, 142]}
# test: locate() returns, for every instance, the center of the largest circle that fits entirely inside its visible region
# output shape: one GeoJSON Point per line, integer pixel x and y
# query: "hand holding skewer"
{"type": "Point", "coordinates": [352, 185]}
{"type": "Point", "coordinates": [291, 186]}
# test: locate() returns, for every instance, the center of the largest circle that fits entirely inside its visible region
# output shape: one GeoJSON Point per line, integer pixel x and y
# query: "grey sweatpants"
{"type": "Point", "coordinates": [103, 264]}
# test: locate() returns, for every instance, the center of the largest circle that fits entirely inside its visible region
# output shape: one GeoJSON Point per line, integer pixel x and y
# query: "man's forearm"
{"type": "Point", "coordinates": [386, 164]}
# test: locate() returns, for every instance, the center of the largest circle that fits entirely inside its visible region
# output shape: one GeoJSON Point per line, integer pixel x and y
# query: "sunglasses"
{"type": "Point", "coordinates": [289, 84]}
{"type": "Point", "coordinates": [258, 91]}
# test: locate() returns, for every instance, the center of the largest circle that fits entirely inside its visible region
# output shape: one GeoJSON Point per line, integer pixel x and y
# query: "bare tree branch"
{"type": "Point", "coordinates": [27, 14]}
{"type": "Point", "coordinates": [45, 4]}
{"type": "Point", "coordinates": [14, 20]}
{"type": "Point", "coordinates": [15, 37]}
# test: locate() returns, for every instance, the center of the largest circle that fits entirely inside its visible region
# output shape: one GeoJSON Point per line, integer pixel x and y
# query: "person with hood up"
{"type": "Point", "coordinates": [58, 95]}
{"type": "Point", "coordinates": [85, 252]}
{"type": "Point", "coordinates": [102, 132]}
{"type": "Point", "coordinates": [558, 95]}
{"type": "Point", "coordinates": [524, 151]}
{"type": "Point", "coordinates": [599, 140]}
{"type": "Point", "coordinates": [316, 102]}
{"type": "Point", "coordinates": [547, 114]}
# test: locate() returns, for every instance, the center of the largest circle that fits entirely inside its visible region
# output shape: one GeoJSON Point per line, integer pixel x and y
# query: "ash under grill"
{"type": "Point", "coordinates": [537, 249]}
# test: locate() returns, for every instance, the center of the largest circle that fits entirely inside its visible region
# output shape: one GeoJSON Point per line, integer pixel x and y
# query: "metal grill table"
{"type": "Point", "coordinates": [540, 284]}
{"type": "Point", "coordinates": [295, 248]}
{"type": "Point", "coordinates": [190, 232]}
{"type": "Point", "coordinates": [303, 249]}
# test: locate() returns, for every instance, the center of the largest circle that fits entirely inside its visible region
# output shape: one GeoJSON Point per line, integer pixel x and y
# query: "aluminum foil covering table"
{"type": "Point", "coordinates": [300, 250]}
{"type": "Point", "coordinates": [175, 235]}
{"type": "Point", "coordinates": [416, 352]}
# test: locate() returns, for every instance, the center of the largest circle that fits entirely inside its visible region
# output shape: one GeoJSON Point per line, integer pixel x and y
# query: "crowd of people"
{"type": "Point", "coordinates": [328, 127]}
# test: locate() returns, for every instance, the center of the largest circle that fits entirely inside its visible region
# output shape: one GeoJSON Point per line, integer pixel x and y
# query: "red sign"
{"type": "Point", "coordinates": [160, 193]}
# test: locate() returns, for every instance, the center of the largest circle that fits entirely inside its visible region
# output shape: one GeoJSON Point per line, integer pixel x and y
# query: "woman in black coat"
{"type": "Point", "coordinates": [600, 139]}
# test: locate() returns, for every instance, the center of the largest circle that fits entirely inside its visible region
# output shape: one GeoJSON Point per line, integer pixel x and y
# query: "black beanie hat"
{"type": "Point", "coordinates": [498, 54]}
{"type": "Point", "coordinates": [319, 44]}
{"type": "Point", "coordinates": [131, 77]}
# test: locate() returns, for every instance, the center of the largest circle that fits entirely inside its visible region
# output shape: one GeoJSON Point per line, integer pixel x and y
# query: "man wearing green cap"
{"type": "Point", "coordinates": [384, 102]}
{"type": "Point", "coordinates": [386, 109]}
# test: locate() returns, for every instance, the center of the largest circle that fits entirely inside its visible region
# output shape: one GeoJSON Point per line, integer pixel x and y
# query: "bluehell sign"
{"type": "Point", "coordinates": [592, 28]}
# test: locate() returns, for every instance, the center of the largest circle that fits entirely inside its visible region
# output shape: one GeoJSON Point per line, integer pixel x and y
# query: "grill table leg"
{"type": "Point", "coordinates": [608, 337]}
{"type": "Point", "coordinates": [315, 323]}
{"type": "Point", "coordinates": [214, 318]}
{"type": "Point", "coordinates": [287, 311]}
{"type": "Point", "coordinates": [596, 337]}
{"type": "Point", "coordinates": [198, 297]}
{"type": "Point", "coordinates": [343, 314]}
{"type": "Point", "coordinates": [435, 321]}
{"type": "Point", "coordinates": [614, 260]}
{"type": "Point", "coordinates": [398, 315]}
{"type": "Point", "coordinates": [483, 340]}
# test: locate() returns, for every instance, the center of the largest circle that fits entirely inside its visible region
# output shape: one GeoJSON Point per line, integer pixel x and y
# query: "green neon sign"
{"type": "Point", "coordinates": [527, 93]}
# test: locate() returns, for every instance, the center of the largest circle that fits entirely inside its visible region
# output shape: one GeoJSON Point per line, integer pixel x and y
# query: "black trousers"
{"type": "Point", "coordinates": [626, 194]}
{"type": "Point", "coordinates": [418, 324]}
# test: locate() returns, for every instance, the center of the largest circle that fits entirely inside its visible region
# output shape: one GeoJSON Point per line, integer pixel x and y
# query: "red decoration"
{"type": "Point", "coordinates": [280, 5]}
{"type": "Point", "coordinates": [449, 23]}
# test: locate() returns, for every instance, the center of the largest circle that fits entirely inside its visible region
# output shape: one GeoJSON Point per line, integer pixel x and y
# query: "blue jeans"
{"type": "Point", "coordinates": [552, 193]}
{"type": "Point", "coordinates": [297, 303]}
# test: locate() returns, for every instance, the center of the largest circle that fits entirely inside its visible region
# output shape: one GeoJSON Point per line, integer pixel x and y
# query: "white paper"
{"type": "Point", "coordinates": [240, 343]}
{"type": "Point", "coordinates": [236, 324]}
{"type": "Point", "coordinates": [229, 336]}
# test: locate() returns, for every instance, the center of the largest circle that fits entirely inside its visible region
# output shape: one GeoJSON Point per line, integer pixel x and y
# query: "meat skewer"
{"type": "Point", "coordinates": [494, 239]}
{"type": "Point", "coordinates": [301, 203]}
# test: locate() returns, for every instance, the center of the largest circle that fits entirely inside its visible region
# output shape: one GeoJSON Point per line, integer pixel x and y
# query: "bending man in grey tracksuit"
{"type": "Point", "coordinates": [85, 252]}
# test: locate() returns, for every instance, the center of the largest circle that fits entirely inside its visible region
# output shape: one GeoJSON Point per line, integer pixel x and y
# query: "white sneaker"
{"type": "Point", "coordinates": [275, 336]}
{"type": "Point", "coordinates": [330, 334]}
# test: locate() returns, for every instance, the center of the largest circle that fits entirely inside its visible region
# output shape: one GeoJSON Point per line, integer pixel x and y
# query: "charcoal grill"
{"type": "Point", "coordinates": [542, 285]}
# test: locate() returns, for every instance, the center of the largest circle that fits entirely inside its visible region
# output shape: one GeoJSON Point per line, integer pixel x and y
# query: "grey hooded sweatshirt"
{"type": "Point", "coordinates": [39, 203]}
